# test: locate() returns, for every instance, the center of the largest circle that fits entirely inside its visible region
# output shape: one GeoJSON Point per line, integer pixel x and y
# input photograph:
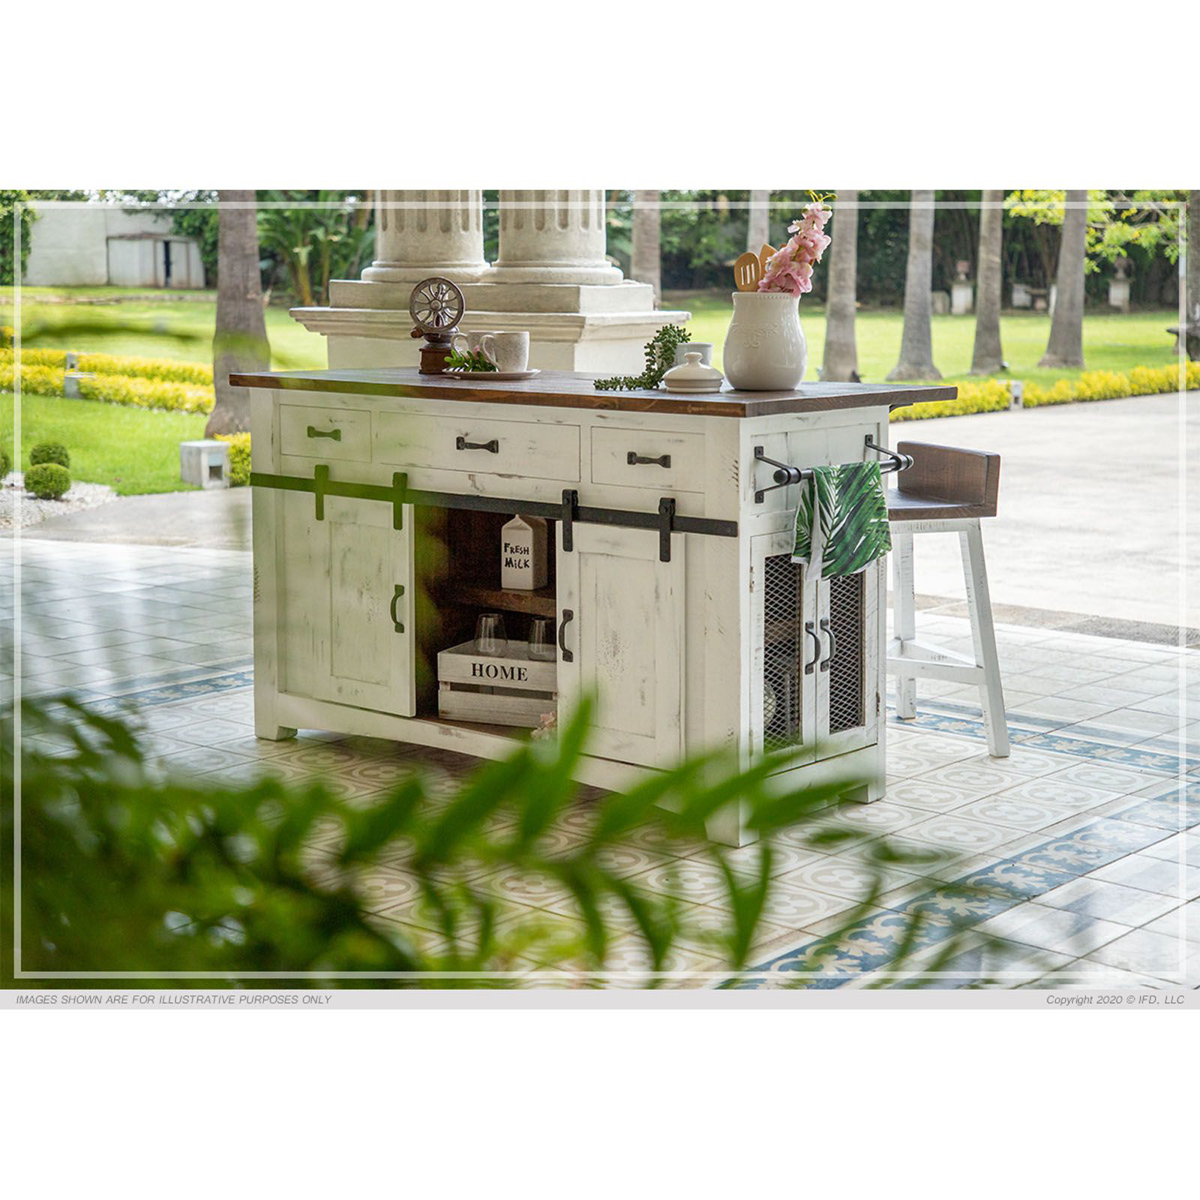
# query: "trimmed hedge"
{"type": "Point", "coordinates": [990, 395]}
{"type": "Point", "coordinates": [197, 374]}
{"type": "Point", "coordinates": [147, 393]}
{"type": "Point", "coordinates": [48, 481]}
{"type": "Point", "coordinates": [49, 452]}
{"type": "Point", "coordinates": [114, 389]}
{"type": "Point", "coordinates": [1112, 385]}
{"type": "Point", "coordinates": [239, 457]}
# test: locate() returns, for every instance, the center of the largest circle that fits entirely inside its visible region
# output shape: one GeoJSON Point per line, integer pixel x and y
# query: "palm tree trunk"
{"type": "Point", "coordinates": [988, 356]}
{"type": "Point", "coordinates": [916, 344]}
{"type": "Point", "coordinates": [646, 260]}
{"type": "Point", "coordinates": [841, 350]}
{"type": "Point", "coordinates": [1065, 348]}
{"type": "Point", "coordinates": [1192, 280]}
{"type": "Point", "coordinates": [758, 232]}
{"type": "Point", "coordinates": [240, 342]}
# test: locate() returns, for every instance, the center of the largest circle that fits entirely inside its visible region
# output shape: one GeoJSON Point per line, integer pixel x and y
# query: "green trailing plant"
{"type": "Point", "coordinates": [125, 870]}
{"type": "Point", "coordinates": [48, 481]}
{"type": "Point", "coordinates": [660, 358]}
{"type": "Point", "coordinates": [49, 452]}
{"type": "Point", "coordinates": [474, 360]}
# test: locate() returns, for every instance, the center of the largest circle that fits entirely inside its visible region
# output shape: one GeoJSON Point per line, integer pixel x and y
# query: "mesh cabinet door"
{"type": "Point", "coordinates": [784, 650]}
{"type": "Point", "coordinates": [848, 685]}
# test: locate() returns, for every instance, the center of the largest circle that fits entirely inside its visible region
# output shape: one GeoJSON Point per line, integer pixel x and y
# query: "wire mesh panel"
{"type": "Point", "coordinates": [783, 651]}
{"type": "Point", "coordinates": [847, 599]}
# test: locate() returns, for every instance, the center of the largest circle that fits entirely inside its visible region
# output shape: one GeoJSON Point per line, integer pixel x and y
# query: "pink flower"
{"type": "Point", "coordinates": [790, 269]}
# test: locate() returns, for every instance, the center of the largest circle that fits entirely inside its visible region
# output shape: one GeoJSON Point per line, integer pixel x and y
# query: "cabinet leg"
{"type": "Point", "coordinates": [904, 617]}
{"type": "Point", "coordinates": [273, 733]}
{"type": "Point", "coordinates": [726, 828]}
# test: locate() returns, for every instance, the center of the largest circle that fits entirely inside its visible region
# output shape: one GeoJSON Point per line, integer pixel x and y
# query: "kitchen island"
{"type": "Point", "coordinates": [379, 496]}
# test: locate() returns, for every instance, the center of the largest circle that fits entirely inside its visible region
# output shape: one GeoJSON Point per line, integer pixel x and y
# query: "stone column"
{"type": "Point", "coordinates": [552, 278]}
{"type": "Point", "coordinates": [422, 233]}
{"type": "Point", "coordinates": [553, 237]}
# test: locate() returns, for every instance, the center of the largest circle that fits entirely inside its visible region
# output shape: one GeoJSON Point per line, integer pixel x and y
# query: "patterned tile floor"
{"type": "Point", "coordinates": [1091, 828]}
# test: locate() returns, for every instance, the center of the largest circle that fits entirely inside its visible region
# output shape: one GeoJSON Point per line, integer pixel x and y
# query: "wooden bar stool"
{"type": "Point", "coordinates": [946, 490]}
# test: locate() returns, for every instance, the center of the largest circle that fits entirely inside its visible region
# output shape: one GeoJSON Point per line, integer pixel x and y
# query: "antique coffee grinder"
{"type": "Point", "coordinates": [436, 307]}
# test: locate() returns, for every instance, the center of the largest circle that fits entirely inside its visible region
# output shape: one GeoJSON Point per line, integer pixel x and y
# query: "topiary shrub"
{"type": "Point", "coordinates": [49, 452]}
{"type": "Point", "coordinates": [48, 481]}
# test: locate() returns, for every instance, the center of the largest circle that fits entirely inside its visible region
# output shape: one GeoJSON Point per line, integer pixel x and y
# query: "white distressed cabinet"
{"type": "Point", "coordinates": [378, 500]}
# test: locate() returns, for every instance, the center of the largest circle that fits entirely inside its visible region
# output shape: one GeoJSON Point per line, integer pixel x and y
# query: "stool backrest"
{"type": "Point", "coordinates": [952, 475]}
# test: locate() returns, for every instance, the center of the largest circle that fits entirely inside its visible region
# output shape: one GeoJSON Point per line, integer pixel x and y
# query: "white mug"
{"type": "Point", "coordinates": [507, 351]}
{"type": "Point", "coordinates": [468, 343]}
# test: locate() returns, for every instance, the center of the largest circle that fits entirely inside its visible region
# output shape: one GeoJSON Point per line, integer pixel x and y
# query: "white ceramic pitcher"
{"type": "Point", "coordinates": [765, 350]}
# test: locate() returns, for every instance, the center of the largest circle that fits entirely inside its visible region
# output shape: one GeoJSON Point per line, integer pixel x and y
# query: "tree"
{"type": "Point", "coordinates": [841, 350]}
{"type": "Point", "coordinates": [988, 355]}
{"type": "Point", "coordinates": [758, 231]}
{"type": "Point", "coordinates": [240, 342]}
{"type": "Point", "coordinates": [916, 344]}
{"type": "Point", "coordinates": [1065, 348]}
{"type": "Point", "coordinates": [646, 259]}
{"type": "Point", "coordinates": [1192, 280]}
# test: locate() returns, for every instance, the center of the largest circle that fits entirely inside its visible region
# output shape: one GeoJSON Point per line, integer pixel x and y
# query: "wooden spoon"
{"type": "Point", "coordinates": [763, 255]}
{"type": "Point", "coordinates": [747, 271]}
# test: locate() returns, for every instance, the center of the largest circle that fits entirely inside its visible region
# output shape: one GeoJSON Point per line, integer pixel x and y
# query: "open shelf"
{"type": "Point", "coordinates": [538, 603]}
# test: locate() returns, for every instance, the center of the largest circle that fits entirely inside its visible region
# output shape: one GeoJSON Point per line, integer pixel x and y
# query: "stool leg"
{"type": "Point", "coordinates": [904, 613]}
{"type": "Point", "coordinates": [983, 634]}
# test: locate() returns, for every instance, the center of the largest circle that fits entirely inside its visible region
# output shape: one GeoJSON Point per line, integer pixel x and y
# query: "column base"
{"type": "Point", "coordinates": [591, 343]}
{"type": "Point", "coordinates": [412, 273]}
{"type": "Point", "coordinates": [489, 295]}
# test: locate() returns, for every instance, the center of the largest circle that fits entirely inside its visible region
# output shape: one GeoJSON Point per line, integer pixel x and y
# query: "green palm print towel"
{"type": "Point", "coordinates": [842, 521]}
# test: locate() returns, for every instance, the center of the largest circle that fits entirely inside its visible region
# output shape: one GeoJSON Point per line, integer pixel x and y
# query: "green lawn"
{"type": "Point", "coordinates": [132, 450]}
{"type": "Point", "coordinates": [1110, 341]}
{"type": "Point", "coordinates": [181, 329]}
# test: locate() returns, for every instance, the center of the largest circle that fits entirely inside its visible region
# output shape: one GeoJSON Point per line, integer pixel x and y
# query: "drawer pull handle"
{"type": "Point", "coordinates": [492, 447]}
{"type": "Point", "coordinates": [314, 432]}
{"type": "Point", "coordinates": [395, 601]}
{"type": "Point", "coordinates": [567, 617]}
{"type": "Point", "coordinates": [832, 645]}
{"type": "Point", "coordinates": [635, 460]}
{"type": "Point", "coordinates": [811, 630]}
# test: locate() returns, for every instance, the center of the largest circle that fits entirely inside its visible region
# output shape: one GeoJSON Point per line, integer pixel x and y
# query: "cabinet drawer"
{"type": "Point", "coordinates": [529, 449]}
{"type": "Point", "coordinates": [328, 433]}
{"type": "Point", "coordinates": [679, 465]}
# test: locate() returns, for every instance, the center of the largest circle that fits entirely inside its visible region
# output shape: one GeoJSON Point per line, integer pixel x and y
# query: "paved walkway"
{"type": "Point", "coordinates": [1093, 499]}
{"type": "Point", "coordinates": [1087, 838]}
{"type": "Point", "coordinates": [217, 519]}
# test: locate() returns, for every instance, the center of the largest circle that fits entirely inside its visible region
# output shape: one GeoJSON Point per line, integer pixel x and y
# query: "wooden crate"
{"type": "Point", "coordinates": [512, 689]}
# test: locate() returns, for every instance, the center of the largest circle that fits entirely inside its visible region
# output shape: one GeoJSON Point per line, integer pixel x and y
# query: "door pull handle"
{"type": "Point", "coordinates": [832, 644]}
{"type": "Point", "coordinates": [335, 434]}
{"type": "Point", "coordinates": [811, 630]}
{"type": "Point", "coordinates": [395, 601]}
{"type": "Point", "coordinates": [634, 459]}
{"type": "Point", "coordinates": [567, 617]}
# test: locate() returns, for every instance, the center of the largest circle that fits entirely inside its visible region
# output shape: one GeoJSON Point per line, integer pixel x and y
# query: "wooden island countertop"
{"type": "Point", "coordinates": [564, 389]}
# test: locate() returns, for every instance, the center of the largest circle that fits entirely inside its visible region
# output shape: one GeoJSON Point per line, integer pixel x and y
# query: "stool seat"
{"type": "Point", "coordinates": [946, 489]}
{"type": "Point", "coordinates": [945, 483]}
{"type": "Point", "coordinates": [904, 507]}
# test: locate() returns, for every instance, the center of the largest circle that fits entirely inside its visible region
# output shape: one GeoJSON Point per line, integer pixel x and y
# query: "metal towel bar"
{"type": "Point", "coordinates": [785, 474]}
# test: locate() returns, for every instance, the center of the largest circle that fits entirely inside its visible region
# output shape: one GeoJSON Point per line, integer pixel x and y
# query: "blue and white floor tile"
{"type": "Point", "coordinates": [1073, 862]}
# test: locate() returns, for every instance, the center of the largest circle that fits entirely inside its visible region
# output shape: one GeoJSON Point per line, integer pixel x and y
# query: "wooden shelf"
{"type": "Point", "coordinates": [540, 603]}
